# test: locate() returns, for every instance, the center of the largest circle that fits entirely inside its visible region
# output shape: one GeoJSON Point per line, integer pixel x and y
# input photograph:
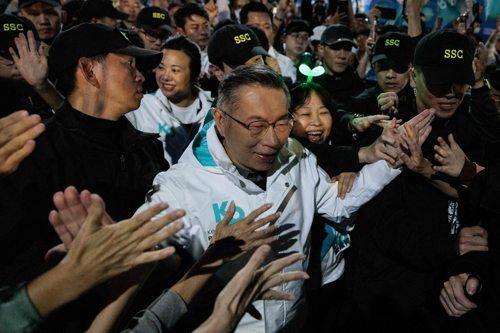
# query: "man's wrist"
{"type": "Point", "coordinates": [427, 170]}
{"type": "Point", "coordinates": [42, 85]}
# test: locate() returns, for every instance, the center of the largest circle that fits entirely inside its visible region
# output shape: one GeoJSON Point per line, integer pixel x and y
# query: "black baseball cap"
{"type": "Point", "coordinates": [445, 57]}
{"type": "Point", "coordinates": [73, 9]}
{"type": "Point", "coordinates": [88, 40]}
{"type": "Point", "coordinates": [25, 3]}
{"type": "Point", "coordinates": [150, 18]}
{"type": "Point", "coordinates": [394, 46]}
{"type": "Point", "coordinates": [234, 45]}
{"type": "Point", "coordinates": [11, 26]}
{"type": "Point", "coordinates": [337, 33]}
{"type": "Point", "coordinates": [298, 26]}
{"type": "Point", "coordinates": [101, 8]}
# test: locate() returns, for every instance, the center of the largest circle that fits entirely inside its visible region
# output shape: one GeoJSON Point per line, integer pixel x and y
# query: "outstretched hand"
{"type": "Point", "coordinates": [422, 124]}
{"type": "Point", "coordinates": [232, 240]}
{"type": "Point", "coordinates": [451, 157]}
{"type": "Point", "coordinates": [361, 124]}
{"type": "Point", "coordinates": [248, 285]}
{"type": "Point", "coordinates": [386, 147]}
{"type": "Point", "coordinates": [105, 251]}
{"type": "Point", "coordinates": [71, 212]}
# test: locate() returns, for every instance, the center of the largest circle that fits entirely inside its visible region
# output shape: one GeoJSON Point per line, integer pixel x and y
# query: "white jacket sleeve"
{"type": "Point", "coordinates": [371, 180]}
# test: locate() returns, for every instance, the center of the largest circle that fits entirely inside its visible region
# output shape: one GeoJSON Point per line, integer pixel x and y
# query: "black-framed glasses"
{"type": "Point", "coordinates": [258, 128]}
{"type": "Point", "coordinates": [153, 38]}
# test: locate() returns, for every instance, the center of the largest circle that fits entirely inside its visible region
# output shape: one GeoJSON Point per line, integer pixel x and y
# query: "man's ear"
{"type": "Point", "coordinates": [413, 75]}
{"type": "Point", "coordinates": [219, 121]}
{"type": "Point", "coordinates": [321, 50]}
{"type": "Point", "coordinates": [87, 68]}
{"type": "Point", "coordinates": [64, 16]}
{"type": "Point", "coordinates": [219, 73]}
{"type": "Point", "coordinates": [180, 31]}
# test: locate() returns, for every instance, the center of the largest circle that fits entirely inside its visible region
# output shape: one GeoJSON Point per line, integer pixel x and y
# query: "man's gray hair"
{"type": "Point", "coordinates": [248, 75]}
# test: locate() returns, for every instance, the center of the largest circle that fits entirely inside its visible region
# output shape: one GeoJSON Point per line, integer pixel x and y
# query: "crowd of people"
{"type": "Point", "coordinates": [247, 166]}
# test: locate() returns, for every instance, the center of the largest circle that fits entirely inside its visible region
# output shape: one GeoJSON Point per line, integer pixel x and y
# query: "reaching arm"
{"type": "Point", "coordinates": [414, 9]}
{"type": "Point", "coordinates": [101, 252]}
{"type": "Point", "coordinates": [249, 285]}
{"type": "Point", "coordinates": [228, 242]}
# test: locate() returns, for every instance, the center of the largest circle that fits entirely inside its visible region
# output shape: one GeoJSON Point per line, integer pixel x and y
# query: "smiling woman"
{"type": "Point", "coordinates": [177, 110]}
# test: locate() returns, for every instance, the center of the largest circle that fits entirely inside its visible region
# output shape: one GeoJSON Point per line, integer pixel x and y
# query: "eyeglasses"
{"type": "Point", "coordinates": [300, 38]}
{"type": "Point", "coordinates": [152, 39]}
{"type": "Point", "coordinates": [6, 62]}
{"type": "Point", "coordinates": [259, 128]}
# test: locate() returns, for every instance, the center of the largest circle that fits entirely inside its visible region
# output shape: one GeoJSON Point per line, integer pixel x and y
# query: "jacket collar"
{"type": "Point", "coordinates": [105, 132]}
{"type": "Point", "coordinates": [207, 150]}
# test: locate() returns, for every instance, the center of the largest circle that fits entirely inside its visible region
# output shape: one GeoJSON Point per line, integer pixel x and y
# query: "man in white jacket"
{"type": "Point", "coordinates": [245, 156]}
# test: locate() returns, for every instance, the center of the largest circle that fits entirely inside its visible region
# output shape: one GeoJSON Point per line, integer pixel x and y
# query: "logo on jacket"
{"type": "Point", "coordinates": [220, 210]}
{"type": "Point", "coordinates": [164, 128]}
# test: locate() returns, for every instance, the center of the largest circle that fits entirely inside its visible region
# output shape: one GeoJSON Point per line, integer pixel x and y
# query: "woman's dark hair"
{"type": "Point", "coordinates": [301, 94]}
{"type": "Point", "coordinates": [184, 44]}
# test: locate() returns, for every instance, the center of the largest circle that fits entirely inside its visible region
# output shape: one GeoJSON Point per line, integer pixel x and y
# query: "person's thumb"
{"type": "Point", "coordinates": [471, 285]}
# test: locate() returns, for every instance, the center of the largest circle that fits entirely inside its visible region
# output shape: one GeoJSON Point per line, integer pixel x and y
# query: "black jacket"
{"type": "Point", "coordinates": [106, 157]}
{"type": "Point", "coordinates": [401, 245]}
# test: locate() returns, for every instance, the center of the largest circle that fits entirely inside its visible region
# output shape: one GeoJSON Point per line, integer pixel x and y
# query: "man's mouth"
{"type": "Point", "coordinates": [268, 158]}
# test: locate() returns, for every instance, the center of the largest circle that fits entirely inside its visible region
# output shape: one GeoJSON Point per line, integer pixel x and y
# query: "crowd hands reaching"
{"type": "Point", "coordinates": [385, 108]}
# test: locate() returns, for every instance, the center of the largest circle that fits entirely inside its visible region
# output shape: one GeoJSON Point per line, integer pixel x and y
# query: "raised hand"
{"type": "Point", "coordinates": [31, 62]}
{"type": "Point", "coordinates": [107, 251]}
{"type": "Point", "coordinates": [212, 9]}
{"type": "Point", "coordinates": [413, 156]}
{"type": "Point", "coordinates": [479, 64]}
{"type": "Point", "coordinates": [72, 211]}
